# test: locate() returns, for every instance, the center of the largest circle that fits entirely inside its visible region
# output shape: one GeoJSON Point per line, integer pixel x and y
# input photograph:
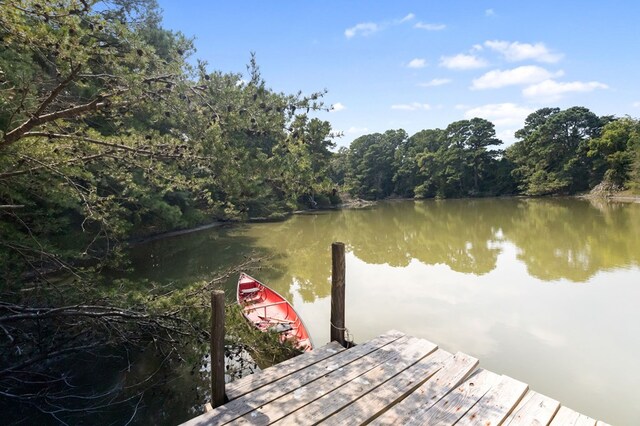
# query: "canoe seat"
{"type": "Point", "coordinates": [249, 290]}
{"type": "Point", "coordinates": [281, 328]}
{"type": "Point", "coordinates": [257, 306]}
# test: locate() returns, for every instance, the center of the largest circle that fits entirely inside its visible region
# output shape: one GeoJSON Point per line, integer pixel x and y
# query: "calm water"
{"type": "Point", "coordinates": [543, 290]}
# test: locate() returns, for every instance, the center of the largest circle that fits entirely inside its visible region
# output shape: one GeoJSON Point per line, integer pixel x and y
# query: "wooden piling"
{"type": "Point", "coordinates": [217, 348]}
{"type": "Point", "coordinates": [337, 293]}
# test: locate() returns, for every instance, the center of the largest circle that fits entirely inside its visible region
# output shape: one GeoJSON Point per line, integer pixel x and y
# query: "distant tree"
{"type": "Point", "coordinates": [616, 150]}
{"type": "Point", "coordinates": [551, 156]}
{"type": "Point", "coordinates": [371, 164]}
{"type": "Point", "coordinates": [457, 160]}
{"type": "Point", "coordinates": [430, 179]}
{"type": "Point", "coordinates": [482, 136]}
{"type": "Point", "coordinates": [338, 166]}
{"type": "Point", "coordinates": [406, 164]}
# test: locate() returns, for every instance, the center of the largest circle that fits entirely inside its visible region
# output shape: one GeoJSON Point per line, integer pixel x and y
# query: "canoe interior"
{"type": "Point", "coordinates": [267, 310]}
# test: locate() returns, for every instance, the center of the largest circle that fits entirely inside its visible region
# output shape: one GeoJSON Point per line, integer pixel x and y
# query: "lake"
{"type": "Point", "coordinates": [543, 290]}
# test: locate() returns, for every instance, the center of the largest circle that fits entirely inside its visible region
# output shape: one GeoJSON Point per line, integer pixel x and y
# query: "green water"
{"type": "Point", "coordinates": [543, 290]}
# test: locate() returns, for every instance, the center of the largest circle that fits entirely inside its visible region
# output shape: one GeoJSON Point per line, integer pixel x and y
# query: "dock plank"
{"type": "Point", "coordinates": [534, 410]}
{"type": "Point", "coordinates": [248, 402]}
{"type": "Point", "coordinates": [494, 407]}
{"type": "Point", "coordinates": [239, 387]}
{"type": "Point", "coordinates": [387, 394]}
{"type": "Point", "coordinates": [392, 379]}
{"type": "Point", "coordinates": [449, 409]}
{"type": "Point", "coordinates": [303, 395]}
{"type": "Point", "coordinates": [333, 401]}
{"type": "Point", "coordinates": [425, 396]}
{"type": "Point", "coordinates": [567, 417]}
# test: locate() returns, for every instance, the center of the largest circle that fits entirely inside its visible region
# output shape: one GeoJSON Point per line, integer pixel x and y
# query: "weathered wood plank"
{"type": "Point", "coordinates": [534, 410]}
{"type": "Point", "coordinates": [332, 401]}
{"type": "Point", "coordinates": [496, 404]}
{"type": "Point", "coordinates": [567, 417]}
{"type": "Point", "coordinates": [385, 395]}
{"type": "Point", "coordinates": [254, 381]}
{"type": "Point", "coordinates": [284, 405]}
{"type": "Point", "coordinates": [584, 420]}
{"type": "Point", "coordinates": [248, 402]}
{"type": "Point", "coordinates": [455, 404]}
{"type": "Point", "coordinates": [453, 373]}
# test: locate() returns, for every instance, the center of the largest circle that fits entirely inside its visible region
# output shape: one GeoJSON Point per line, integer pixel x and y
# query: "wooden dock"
{"type": "Point", "coordinates": [392, 379]}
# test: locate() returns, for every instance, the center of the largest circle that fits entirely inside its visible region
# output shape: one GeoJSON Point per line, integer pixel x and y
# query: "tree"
{"type": "Point", "coordinates": [430, 181]}
{"type": "Point", "coordinates": [616, 150]}
{"type": "Point", "coordinates": [482, 135]}
{"type": "Point", "coordinates": [371, 164]}
{"type": "Point", "coordinates": [406, 164]}
{"type": "Point", "coordinates": [457, 161]}
{"type": "Point", "coordinates": [551, 156]}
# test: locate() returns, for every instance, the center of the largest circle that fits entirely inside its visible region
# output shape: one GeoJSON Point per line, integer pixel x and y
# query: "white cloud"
{"type": "Point", "coordinates": [365, 29]}
{"type": "Point", "coordinates": [413, 106]}
{"type": "Point", "coordinates": [435, 82]}
{"type": "Point", "coordinates": [505, 114]}
{"type": "Point", "coordinates": [407, 18]}
{"type": "Point", "coordinates": [417, 63]}
{"type": "Point", "coordinates": [636, 104]}
{"type": "Point", "coordinates": [516, 51]}
{"type": "Point", "coordinates": [462, 62]}
{"type": "Point", "coordinates": [489, 12]}
{"type": "Point", "coordinates": [368, 28]}
{"type": "Point", "coordinates": [551, 90]}
{"type": "Point", "coordinates": [528, 74]}
{"type": "Point", "coordinates": [429, 27]}
{"type": "Point", "coordinates": [507, 136]}
{"type": "Point", "coordinates": [338, 106]}
{"type": "Point", "coordinates": [356, 130]}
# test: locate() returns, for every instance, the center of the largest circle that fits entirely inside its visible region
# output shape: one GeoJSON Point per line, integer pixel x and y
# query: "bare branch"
{"type": "Point", "coordinates": [20, 131]}
{"type": "Point", "coordinates": [55, 92]}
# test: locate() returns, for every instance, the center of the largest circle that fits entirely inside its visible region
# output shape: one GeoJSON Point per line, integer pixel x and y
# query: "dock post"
{"type": "Point", "coordinates": [337, 293]}
{"type": "Point", "coordinates": [217, 348]}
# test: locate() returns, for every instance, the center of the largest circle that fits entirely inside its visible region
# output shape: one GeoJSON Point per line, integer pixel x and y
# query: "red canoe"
{"type": "Point", "coordinates": [267, 310]}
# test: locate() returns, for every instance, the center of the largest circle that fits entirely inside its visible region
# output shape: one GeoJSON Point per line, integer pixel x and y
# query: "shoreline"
{"type": "Point", "coordinates": [355, 204]}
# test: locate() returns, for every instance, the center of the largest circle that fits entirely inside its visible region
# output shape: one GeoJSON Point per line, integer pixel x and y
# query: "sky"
{"type": "Point", "coordinates": [423, 64]}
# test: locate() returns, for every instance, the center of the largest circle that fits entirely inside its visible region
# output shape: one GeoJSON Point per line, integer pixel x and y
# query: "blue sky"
{"type": "Point", "coordinates": [424, 64]}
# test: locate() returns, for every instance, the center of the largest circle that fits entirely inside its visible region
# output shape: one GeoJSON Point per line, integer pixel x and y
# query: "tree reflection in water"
{"type": "Point", "coordinates": [555, 238]}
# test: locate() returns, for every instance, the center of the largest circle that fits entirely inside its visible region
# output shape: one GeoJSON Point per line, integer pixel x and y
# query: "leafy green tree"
{"type": "Point", "coordinates": [429, 176]}
{"type": "Point", "coordinates": [482, 136]}
{"type": "Point", "coordinates": [616, 150]}
{"type": "Point", "coordinates": [457, 161]}
{"type": "Point", "coordinates": [551, 156]}
{"type": "Point", "coordinates": [371, 159]}
{"type": "Point", "coordinates": [406, 164]}
{"type": "Point", "coordinates": [338, 166]}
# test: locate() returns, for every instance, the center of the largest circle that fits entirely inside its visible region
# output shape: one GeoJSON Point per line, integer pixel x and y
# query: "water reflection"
{"type": "Point", "coordinates": [556, 238]}
{"type": "Point", "coordinates": [573, 239]}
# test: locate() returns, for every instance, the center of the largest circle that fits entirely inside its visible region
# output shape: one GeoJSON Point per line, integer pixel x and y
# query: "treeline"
{"type": "Point", "coordinates": [557, 152]}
